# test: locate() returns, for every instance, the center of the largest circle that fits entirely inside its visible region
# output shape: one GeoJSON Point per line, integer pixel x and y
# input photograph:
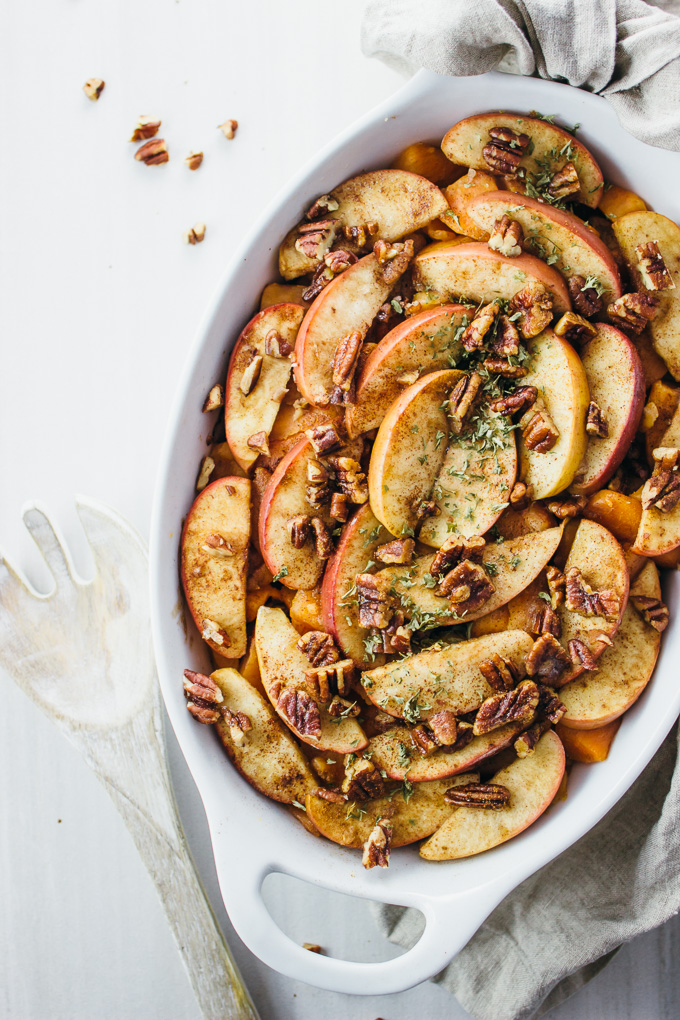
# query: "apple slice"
{"type": "Point", "coordinates": [214, 556]}
{"type": "Point", "coordinates": [283, 664]}
{"type": "Point", "coordinates": [349, 303]}
{"type": "Point", "coordinates": [397, 202]}
{"type": "Point", "coordinates": [424, 343]}
{"type": "Point", "coordinates": [549, 149]}
{"type": "Point", "coordinates": [659, 531]}
{"type": "Point", "coordinates": [355, 550]}
{"type": "Point", "coordinates": [623, 671]}
{"type": "Point", "coordinates": [617, 385]}
{"type": "Point", "coordinates": [602, 563]}
{"type": "Point", "coordinates": [267, 757]}
{"type": "Point", "coordinates": [247, 414]}
{"type": "Point", "coordinates": [446, 678]}
{"type": "Point", "coordinates": [556, 371]}
{"type": "Point", "coordinates": [638, 228]}
{"type": "Point", "coordinates": [474, 273]}
{"type": "Point", "coordinates": [512, 565]}
{"type": "Point", "coordinates": [413, 814]}
{"type": "Point", "coordinates": [414, 458]}
{"type": "Point", "coordinates": [552, 234]}
{"type": "Point", "coordinates": [532, 783]}
{"type": "Point", "coordinates": [396, 754]}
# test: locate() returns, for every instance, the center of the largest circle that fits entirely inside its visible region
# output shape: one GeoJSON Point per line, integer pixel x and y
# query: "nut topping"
{"type": "Point", "coordinates": [424, 739]}
{"type": "Point", "coordinates": [314, 239]}
{"type": "Point", "coordinates": [556, 585]}
{"type": "Point", "coordinates": [350, 478]}
{"type": "Point", "coordinates": [468, 587]}
{"type": "Point", "coordinates": [377, 846]}
{"type": "Point", "coordinates": [545, 621]}
{"type": "Point", "coordinates": [332, 796]}
{"type": "Point", "coordinates": [363, 780]}
{"type": "Point", "coordinates": [596, 422]}
{"type": "Point", "coordinates": [462, 398]}
{"type": "Point", "coordinates": [653, 270]}
{"type": "Point", "coordinates": [361, 234]}
{"type": "Point", "coordinates": [203, 696]}
{"type": "Point", "coordinates": [565, 182]}
{"type": "Point", "coordinates": [653, 611]}
{"type": "Point", "coordinates": [399, 551]}
{"type": "Point", "coordinates": [504, 151]}
{"type": "Point", "coordinates": [499, 672]}
{"type": "Point", "coordinates": [340, 507]}
{"type": "Point", "coordinates": [275, 346]}
{"type": "Point", "coordinates": [504, 367]}
{"type": "Point", "coordinates": [216, 545]}
{"type": "Point", "coordinates": [394, 258]}
{"type": "Point", "coordinates": [526, 742]}
{"type": "Point", "coordinates": [214, 634]}
{"type": "Point", "coordinates": [662, 490]}
{"type": "Point", "coordinates": [195, 234]}
{"type": "Point", "coordinates": [251, 374]}
{"type": "Point", "coordinates": [506, 237]}
{"type": "Point", "coordinates": [455, 550]}
{"type": "Point", "coordinates": [582, 599]}
{"type": "Point", "coordinates": [424, 508]}
{"type": "Point", "coordinates": [586, 300]}
{"type": "Point", "coordinates": [300, 711]}
{"type": "Point", "coordinates": [146, 127]}
{"type": "Point", "coordinates": [376, 606]}
{"type": "Point", "coordinates": [205, 471]}
{"type": "Point", "coordinates": [193, 160]}
{"type": "Point", "coordinates": [564, 508]}
{"type": "Point", "coordinates": [473, 336]}
{"type": "Point", "coordinates": [445, 727]}
{"type": "Point", "coordinates": [93, 88]}
{"type": "Point", "coordinates": [549, 705]}
{"type": "Point", "coordinates": [215, 399]}
{"type": "Point", "coordinates": [153, 153]}
{"type": "Point", "coordinates": [479, 795]}
{"type": "Point", "coordinates": [239, 724]}
{"type": "Point", "coordinates": [518, 705]}
{"type": "Point", "coordinates": [259, 441]}
{"type": "Point", "coordinates": [581, 655]}
{"type": "Point", "coordinates": [540, 433]}
{"type": "Point", "coordinates": [633, 311]}
{"type": "Point", "coordinates": [535, 306]}
{"type": "Point", "coordinates": [506, 341]}
{"type": "Point", "coordinates": [317, 491]}
{"type": "Point", "coordinates": [323, 542]}
{"type": "Point", "coordinates": [575, 328]}
{"type": "Point", "coordinates": [342, 708]}
{"type": "Point", "coordinates": [324, 204]}
{"type": "Point", "coordinates": [298, 529]}
{"type": "Point", "coordinates": [396, 637]}
{"type": "Point", "coordinates": [319, 647]}
{"type": "Point", "coordinates": [521, 495]}
{"type": "Point", "coordinates": [519, 401]}
{"type": "Point", "coordinates": [335, 678]}
{"type": "Point", "coordinates": [229, 128]}
{"type": "Point", "coordinates": [324, 437]}
{"type": "Point", "coordinates": [345, 364]}
{"type": "Point", "coordinates": [547, 659]}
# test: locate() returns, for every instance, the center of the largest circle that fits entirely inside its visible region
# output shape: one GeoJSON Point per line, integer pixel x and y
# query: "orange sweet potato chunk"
{"type": "Point", "coordinates": [588, 746]}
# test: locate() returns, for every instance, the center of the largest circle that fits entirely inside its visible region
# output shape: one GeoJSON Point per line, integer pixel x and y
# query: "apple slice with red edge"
{"type": "Point", "coordinates": [532, 783]}
{"type": "Point", "coordinates": [549, 148]}
{"type": "Point", "coordinates": [395, 752]}
{"type": "Point", "coordinates": [214, 560]}
{"type": "Point", "coordinates": [623, 671]}
{"type": "Point", "coordinates": [267, 757]}
{"type": "Point", "coordinates": [422, 344]}
{"type": "Point", "coordinates": [473, 273]}
{"type": "Point", "coordinates": [283, 665]}
{"type": "Point", "coordinates": [247, 414]}
{"type": "Point", "coordinates": [659, 530]}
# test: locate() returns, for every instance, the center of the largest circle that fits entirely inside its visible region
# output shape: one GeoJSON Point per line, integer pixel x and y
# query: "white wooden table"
{"type": "Point", "coordinates": [99, 298]}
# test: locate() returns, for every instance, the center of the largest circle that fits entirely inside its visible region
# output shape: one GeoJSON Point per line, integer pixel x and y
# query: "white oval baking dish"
{"type": "Point", "coordinates": [252, 836]}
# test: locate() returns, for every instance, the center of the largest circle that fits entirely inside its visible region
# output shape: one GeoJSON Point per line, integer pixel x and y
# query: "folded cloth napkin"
{"type": "Point", "coordinates": [626, 50]}
{"type": "Point", "coordinates": [561, 926]}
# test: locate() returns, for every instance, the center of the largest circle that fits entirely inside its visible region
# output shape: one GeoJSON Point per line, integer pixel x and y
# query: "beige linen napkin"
{"type": "Point", "coordinates": [561, 926]}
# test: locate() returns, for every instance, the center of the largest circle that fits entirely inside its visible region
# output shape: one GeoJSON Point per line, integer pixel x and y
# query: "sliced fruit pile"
{"type": "Point", "coordinates": [424, 554]}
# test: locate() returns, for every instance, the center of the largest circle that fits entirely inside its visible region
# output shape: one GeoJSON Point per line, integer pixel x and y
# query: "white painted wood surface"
{"type": "Point", "coordinates": [98, 302]}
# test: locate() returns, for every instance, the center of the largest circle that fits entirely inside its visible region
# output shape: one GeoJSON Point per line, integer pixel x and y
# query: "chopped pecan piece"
{"type": "Point", "coordinates": [350, 478]}
{"type": "Point", "coordinates": [517, 705]}
{"type": "Point", "coordinates": [396, 637]}
{"type": "Point", "coordinates": [332, 796]}
{"type": "Point", "coordinates": [564, 508]}
{"type": "Point", "coordinates": [565, 182]}
{"type": "Point", "coordinates": [424, 508]}
{"type": "Point", "coordinates": [575, 328]}
{"type": "Point", "coordinates": [596, 421]}
{"type": "Point", "coordinates": [424, 739]}
{"type": "Point", "coordinates": [376, 605]}
{"type": "Point", "coordinates": [549, 705]}
{"type": "Point", "coordinates": [506, 237]}
{"type": "Point", "coordinates": [298, 529]}
{"type": "Point", "coordinates": [479, 795]}
{"type": "Point", "coordinates": [394, 258]}
{"type": "Point", "coordinates": [324, 205]}
{"type": "Point", "coordinates": [318, 491]}
{"type": "Point", "coordinates": [275, 345]}
{"type": "Point", "coordinates": [540, 433]}
{"type": "Point", "coordinates": [193, 160]}
{"type": "Point", "coordinates": [153, 153]}
{"type": "Point", "coordinates": [399, 551]}
{"type": "Point", "coordinates": [545, 621]}
{"type": "Point", "coordinates": [653, 611]}
{"type": "Point", "coordinates": [662, 490]}
{"type": "Point", "coordinates": [205, 471]}
{"type": "Point", "coordinates": [312, 947]}
{"type": "Point", "coordinates": [195, 234]}
{"type": "Point", "coordinates": [363, 780]}
{"type": "Point", "coordinates": [377, 846]}
{"type": "Point", "coordinates": [547, 659]}
{"type": "Point", "coordinates": [520, 400]}
{"type": "Point", "coordinates": [535, 306]}
{"type": "Point", "coordinates": [228, 128]}
{"type": "Point", "coordinates": [499, 672]}
{"type": "Point", "coordinates": [146, 127]}
{"type": "Point", "coordinates": [314, 239]}
{"type": "Point", "coordinates": [586, 300]}
{"type": "Point", "coordinates": [345, 366]}
{"type": "Point", "coordinates": [633, 311]}
{"type": "Point", "coordinates": [582, 599]}
{"type": "Point", "coordinates": [342, 708]}
{"type": "Point", "coordinates": [361, 234]}
{"type": "Point", "coordinates": [238, 723]}
{"type": "Point", "coordinates": [217, 545]}
{"type": "Point", "coordinates": [326, 681]}
{"type": "Point", "coordinates": [504, 367]}
{"type": "Point", "coordinates": [581, 655]}
{"type": "Point", "coordinates": [462, 398]}
{"type": "Point", "coordinates": [339, 260]}
{"type": "Point", "coordinates": [319, 647]}
{"type": "Point", "coordinates": [445, 727]}
{"type": "Point", "coordinates": [323, 542]}
{"type": "Point", "coordinates": [526, 742]}
{"type": "Point", "coordinates": [339, 510]}
{"type": "Point", "coordinates": [521, 496]}
{"type": "Point", "coordinates": [259, 441]}
{"type": "Point", "coordinates": [556, 585]}
{"type": "Point", "coordinates": [215, 398]}
{"type": "Point", "coordinates": [506, 341]}
{"type": "Point", "coordinates": [251, 374]}
{"type": "Point", "coordinates": [473, 335]}
{"type": "Point", "coordinates": [324, 437]}
{"type": "Point", "coordinates": [216, 635]}
{"type": "Point", "coordinates": [653, 270]}
{"type": "Point", "coordinates": [467, 587]}
{"type": "Point", "coordinates": [203, 696]}
{"type": "Point", "coordinates": [300, 711]}
{"type": "Point", "coordinates": [504, 151]}
{"type": "Point", "coordinates": [93, 89]}
{"type": "Point", "coordinates": [454, 550]}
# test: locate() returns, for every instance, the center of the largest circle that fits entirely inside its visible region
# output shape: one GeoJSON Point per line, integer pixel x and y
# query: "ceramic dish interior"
{"type": "Point", "coordinates": [252, 836]}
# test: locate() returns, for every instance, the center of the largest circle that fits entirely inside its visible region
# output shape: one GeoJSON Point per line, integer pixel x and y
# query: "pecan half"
{"type": "Point", "coordinates": [633, 311]}
{"type": "Point", "coordinates": [424, 739]}
{"type": "Point", "coordinates": [575, 328]}
{"type": "Point", "coordinates": [325, 682]}
{"type": "Point", "coordinates": [215, 398]}
{"type": "Point", "coordinates": [506, 237]}
{"type": "Point", "coordinates": [540, 433]}
{"type": "Point", "coordinates": [275, 345]}
{"type": "Point", "coordinates": [339, 260]}
{"type": "Point", "coordinates": [213, 633]}
{"type": "Point", "coordinates": [394, 258]}
{"type": "Point", "coordinates": [454, 550]}
{"type": "Point", "coordinates": [323, 542]}
{"type": "Point", "coordinates": [324, 437]}
{"type": "Point", "coordinates": [345, 366]}
{"type": "Point", "coordinates": [582, 599]}
{"type": "Point", "coordinates": [581, 655]}
{"type": "Point", "coordinates": [467, 587]}
{"type": "Point", "coordinates": [526, 742]}
{"type": "Point", "coordinates": [504, 367]}
{"type": "Point", "coordinates": [339, 510]}
{"type": "Point", "coordinates": [545, 621]}
{"type": "Point", "coordinates": [564, 508]}
{"type": "Point", "coordinates": [462, 398]}
{"type": "Point", "coordinates": [398, 551]}
{"type": "Point", "coordinates": [376, 605]}
{"type": "Point", "coordinates": [521, 495]}
{"type": "Point", "coordinates": [446, 727]}
{"type": "Point", "coordinates": [653, 270]}
{"type": "Point", "coordinates": [300, 711]}
{"type": "Point", "coordinates": [517, 705]}
{"type": "Point", "coordinates": [377, 846]}
{"type": "Point", "coordinates": [473, 335]}
{"type": "Point", "coordinates": [324, 205]}
{"type": "Point", "coordinates": [504, 151]}
{"type": "Point", "coordinates": [298, 529]}
{"type": "Point", "coordinates": [251, 374]}
{"type": "Point", "coordinates": [520, 400]}
{"type": "Point", "coordinates": [350, 478]}
{"type": "Point", "coordinates": [565, 182]}
{"type": "Point", "coordinates": [479, 795]}
{"type": "Point", "coordinates": [314, 239]}
{"type": "Point", "coordinates": [662, 490]}
{"type": "Point", "coordinates": [547, 659]}
{"type": "Point", "coordinates": [203, 696]}
{"type": "Point", "coordinates": [596, 422]}
{"type": "Point", "coordinates": [153, 153]}
{"type": "Point", "coordinates": [319, 647]}
{"type": "Point", "coordinates": [535, 306]}
{"type": "Point", "coordinates": [653, 611]}
{"type": "Point", "coordinates": [556, 585]}
{"type": "Point", "coordinates": [363, 780]}
{"type": "Point", "coordinates": [499, 672]}
{"type": "Point", "coordinates": [585, 300]}
{"type": "Point", "coordinates": [317, 491]}
{"type": "Point", "coordinates": [506, 341]}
